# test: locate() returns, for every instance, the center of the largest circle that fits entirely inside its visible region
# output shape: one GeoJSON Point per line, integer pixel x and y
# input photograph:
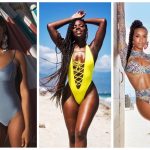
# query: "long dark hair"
{"type": "Point", "coordinates": [3, 24]}
{"type": "Point", "coordinates": [136, 24]}
{"type": "Point", "coordinates": [18, 77]}
{"type": "Point", "coordinates": [58, 78]}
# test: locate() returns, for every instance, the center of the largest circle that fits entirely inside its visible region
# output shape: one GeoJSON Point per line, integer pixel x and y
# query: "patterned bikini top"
{"type": "Point", "coordinates": [134, 67]}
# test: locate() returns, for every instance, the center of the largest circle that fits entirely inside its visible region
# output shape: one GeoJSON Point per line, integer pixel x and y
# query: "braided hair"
{"type": "Point", "coordinates": [58, 78]}
{"type": "Point", "coordinates": [136, 24]}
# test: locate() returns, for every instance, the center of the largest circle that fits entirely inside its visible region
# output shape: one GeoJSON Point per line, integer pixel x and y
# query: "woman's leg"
{"type": "Point", "coordinates": [86, 113]}
{"type": "Point", "coordinates": [143, 108]}
{"type": "Point", "coordinates": [70, 112]}
{"type": "Point", "coordinates": [15, 129]}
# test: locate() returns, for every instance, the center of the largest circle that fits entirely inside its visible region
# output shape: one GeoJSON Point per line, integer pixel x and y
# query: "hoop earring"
{"type": "Point", "coordinates": [146, 45]}
{"type": "Point", "coordinates": [5, 43]}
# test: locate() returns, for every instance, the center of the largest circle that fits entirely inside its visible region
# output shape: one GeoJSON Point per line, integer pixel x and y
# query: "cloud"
{"type": "Point", "coordinates": [47, 59]}
{"type": "Point", "coordinates": [49, 54]}
{"type": "Point", "coordinates": [103, 64]}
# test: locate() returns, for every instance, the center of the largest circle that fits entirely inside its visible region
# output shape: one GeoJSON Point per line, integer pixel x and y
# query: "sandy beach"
{"type": "Point", "coordinates": [53, 132]}
{"type": "Point", "coordinates": [137, 129]}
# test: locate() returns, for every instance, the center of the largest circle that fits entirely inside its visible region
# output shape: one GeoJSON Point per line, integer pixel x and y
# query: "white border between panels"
{"type": "Point", "coordinates": [38, 75]}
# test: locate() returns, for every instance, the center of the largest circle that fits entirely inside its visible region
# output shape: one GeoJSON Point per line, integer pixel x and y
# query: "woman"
{"type": "Point", "coordinates": [14, 114]}
{"type": "Point", "coordinates": [136, 64]}
{"type": "Point", "coordinates": [78, 97]}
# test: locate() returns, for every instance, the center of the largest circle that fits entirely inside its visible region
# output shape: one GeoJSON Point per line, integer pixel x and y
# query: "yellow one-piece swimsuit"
{"type": "Point", "coordinates": [80, 75]}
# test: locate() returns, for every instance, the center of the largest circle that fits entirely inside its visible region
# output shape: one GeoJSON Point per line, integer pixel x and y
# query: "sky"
{"type": "Point", "coordinates": [136, 11]}
{"type": "Point", "coordinates": [50, 12]}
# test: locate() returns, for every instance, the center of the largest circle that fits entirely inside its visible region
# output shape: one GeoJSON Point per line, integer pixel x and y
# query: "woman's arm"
{"type": "Point", "coordinates": [24, 97]}
{"type": "Point", "coordinates": [122, 46]}
{"type": "Point", "coordinates": [100, 34]}
{"type": "Point", "coordinates": [52, 27]}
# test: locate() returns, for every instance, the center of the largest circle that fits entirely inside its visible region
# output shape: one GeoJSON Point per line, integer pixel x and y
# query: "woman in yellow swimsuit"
{"type": "Point", "coordinates": [78, 97]}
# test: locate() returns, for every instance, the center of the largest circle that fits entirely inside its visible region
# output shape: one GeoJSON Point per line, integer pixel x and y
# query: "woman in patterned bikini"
{"type": "Point", "coordinates": [78, 97]}
{"type": "Point", "coordinates": [136, 64]}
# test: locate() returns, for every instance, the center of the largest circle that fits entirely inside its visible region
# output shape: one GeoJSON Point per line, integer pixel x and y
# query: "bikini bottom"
{"type": "Point", "coordinates": [143, 95]}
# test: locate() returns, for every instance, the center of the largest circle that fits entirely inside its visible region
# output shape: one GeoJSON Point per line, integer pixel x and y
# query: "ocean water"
{"type": "Point", "coordinates": [102, 81]}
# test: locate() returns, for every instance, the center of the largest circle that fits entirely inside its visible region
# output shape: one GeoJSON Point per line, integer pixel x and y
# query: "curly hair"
{"type": "Point", "coordinates": [136, 24]}
{"type": "Point", "coordinates": [58, 78]}
{"type": "Point", "coordinates": [3, 24]}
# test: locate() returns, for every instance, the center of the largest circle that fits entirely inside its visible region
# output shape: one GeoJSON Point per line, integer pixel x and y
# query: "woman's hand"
{"type": "Point", "coordinates": [80, 14]}
{"type": "Point", "coordinates": [25, 138]}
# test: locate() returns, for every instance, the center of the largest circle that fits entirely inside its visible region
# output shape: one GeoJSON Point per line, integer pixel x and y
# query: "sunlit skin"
{"type": "Point", "coordinates": [79, 32]}
{"type": "Point", "coordinates": [18, 126]}
{"type": "Point", "coordinates": [79, 29]}
{"type": "Point", "coordinates": [79, 117]}
{"type": "Point", "coordinates": [140, 81]}
{"type": "Point", "coordinates": [139, 39]}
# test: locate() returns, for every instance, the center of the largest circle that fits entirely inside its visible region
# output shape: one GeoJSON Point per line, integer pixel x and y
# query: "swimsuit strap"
{"type": "Point", "coordinates": [14, 55]}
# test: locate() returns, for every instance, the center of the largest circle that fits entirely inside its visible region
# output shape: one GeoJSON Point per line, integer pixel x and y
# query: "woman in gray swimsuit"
{"type": "Point", "coordinates": [14, 114]}
{"type": "Point", "coordinates": [136, 63]}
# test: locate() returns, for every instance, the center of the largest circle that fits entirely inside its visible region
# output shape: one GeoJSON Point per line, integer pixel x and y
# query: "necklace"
{"type": "Point", "coordinates": [2, 51]}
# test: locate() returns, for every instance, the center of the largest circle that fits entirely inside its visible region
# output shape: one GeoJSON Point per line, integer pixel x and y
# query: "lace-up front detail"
{"type": "Point", "coordinates": [78, 70]}
{"type": "Point", "coordinates": [80, 75]}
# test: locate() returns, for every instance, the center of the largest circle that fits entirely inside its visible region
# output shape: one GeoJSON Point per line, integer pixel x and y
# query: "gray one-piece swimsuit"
{"type": "Point", "coordinates": [9, 99]}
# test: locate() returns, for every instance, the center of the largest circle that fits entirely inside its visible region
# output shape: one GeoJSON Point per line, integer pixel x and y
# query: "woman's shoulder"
{"type": "Point", "coordinates": [19, 53]}
{"type": "Point", "coordinates": [19, 56]}
{"type": "Point", "coordinates": [14, 52]}
{"type": "Point", "coordinates": [11, 53]}
{"type": "Point", "coordinates": [93, 49]}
